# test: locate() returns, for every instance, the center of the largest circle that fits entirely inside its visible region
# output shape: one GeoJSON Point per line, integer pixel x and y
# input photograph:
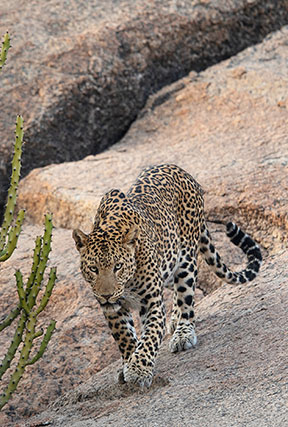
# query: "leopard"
{"type": "Point", "coordinates": [146, 240]}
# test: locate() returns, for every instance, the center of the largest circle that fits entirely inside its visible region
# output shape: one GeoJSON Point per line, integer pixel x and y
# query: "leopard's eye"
{"type": "Point", "coordinates": [118, 266]}
{"type": "Point", "coordinates": [94, 269]}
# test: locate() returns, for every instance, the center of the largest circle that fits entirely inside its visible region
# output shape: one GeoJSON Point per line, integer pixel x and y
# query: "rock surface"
{"type": "Point", "coordinates": [80, 74]}
{"type": "Point", "coordinates": [236, 376]}
{"type": "Point", "coordinates": [81, 345]}
{"type": "Point", "coordinates": [228, 127]}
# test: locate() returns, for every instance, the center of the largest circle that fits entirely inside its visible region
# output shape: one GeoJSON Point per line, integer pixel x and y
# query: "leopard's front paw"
{"type": "Point", "coordinates": [183, 338]}
{"type": "Point", "coordinates": [136, 373]}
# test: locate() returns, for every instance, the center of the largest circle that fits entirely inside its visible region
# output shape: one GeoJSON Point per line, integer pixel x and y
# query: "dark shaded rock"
{"type": "Point", "coordinates": [80, 76]}
{"type": "Point", "coordinates": [227, 126]}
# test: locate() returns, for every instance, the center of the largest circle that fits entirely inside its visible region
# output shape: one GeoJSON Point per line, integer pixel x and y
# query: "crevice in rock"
{"type": "Point", "coordinates": [93, 109]}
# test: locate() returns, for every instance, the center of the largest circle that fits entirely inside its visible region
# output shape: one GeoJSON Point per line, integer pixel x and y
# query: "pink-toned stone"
{"type": "Point", "coordinates": [81, 74]}
{"type": "Point", "coordinates": [228, 127]}
{"type": "Point", "coordinates": [81, 344]}
{"type": "Point", "coordinates": [224, 126]}
{"type": "Point", "coordinates": [237, 375]}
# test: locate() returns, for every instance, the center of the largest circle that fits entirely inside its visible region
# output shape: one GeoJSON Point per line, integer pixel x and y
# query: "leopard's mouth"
{"type": "Point", "coordinates": [109, 306]}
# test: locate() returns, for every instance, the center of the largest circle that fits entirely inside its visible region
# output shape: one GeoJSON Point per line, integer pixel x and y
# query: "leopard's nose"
{"type": "Point", "coordinates": [107, 297]}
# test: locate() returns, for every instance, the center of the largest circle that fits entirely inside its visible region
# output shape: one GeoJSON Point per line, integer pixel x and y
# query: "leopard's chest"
{"type": "Point", "coordinates": [131, 300]}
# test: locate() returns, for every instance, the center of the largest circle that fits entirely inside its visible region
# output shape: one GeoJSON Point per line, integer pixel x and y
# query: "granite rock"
{"type": "Point", "coordinates": [236, 376]}
{"type": "Point", "coordinates": [81, 344]}
{"type": "Point", "coordinates": [80, 74]}
{"type": "Point", "coordinates": [227, 126]}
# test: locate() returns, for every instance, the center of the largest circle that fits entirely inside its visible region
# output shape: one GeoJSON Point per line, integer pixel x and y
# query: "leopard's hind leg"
{"type": "Point", "coordinates": [182, 322]}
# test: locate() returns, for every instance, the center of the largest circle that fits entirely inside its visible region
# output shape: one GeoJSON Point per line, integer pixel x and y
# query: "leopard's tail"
{"type": "Point", "coordinates": [240, 239]}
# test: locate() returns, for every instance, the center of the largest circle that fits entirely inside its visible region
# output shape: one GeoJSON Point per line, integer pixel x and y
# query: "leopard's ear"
{"type": "Point", "coordinates": [80, 238]}
{"type": "Point", "coordinates": [130, 238]}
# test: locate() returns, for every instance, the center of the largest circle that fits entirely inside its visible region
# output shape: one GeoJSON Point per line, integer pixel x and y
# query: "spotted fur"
{"type": "Point", "coordinates": [146, 240]}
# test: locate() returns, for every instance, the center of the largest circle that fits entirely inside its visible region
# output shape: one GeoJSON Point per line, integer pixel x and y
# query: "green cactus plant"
{"type": "Point", "coordinates": [4, 50]}
{"type": "Point", "coordinates": [26, 328]}
{"type": "Point", "coordinates": [9, 233]}
{"type": "Point", "coordinates": [28, 308]}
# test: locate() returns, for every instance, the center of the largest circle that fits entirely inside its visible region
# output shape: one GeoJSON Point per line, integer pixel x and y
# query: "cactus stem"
{"type": "Point", "coordinates": [9, 319]}
{"type": "Point", "coordinates": [13, 232]}
{"type": "Point", "coordinates": [27, 307]}
{"type": "Point", "coordinates": [14, 344]}
{"type": "Point", "coordinates": [44, 343]}
{"type": "Point", "coordinates": [4, 50]}
{"type": "Point", "coordinates": [20, 290]}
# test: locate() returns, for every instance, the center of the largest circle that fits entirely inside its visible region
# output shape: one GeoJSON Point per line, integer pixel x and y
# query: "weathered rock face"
{"type": "Point", "coordinates": [81, 345]}
{"type": "Point", "coordinates": [227, 126]}
{"type": "Point", "coordinates": [236, 376]}
{"type": "Point", "coordinates": [81, 75]}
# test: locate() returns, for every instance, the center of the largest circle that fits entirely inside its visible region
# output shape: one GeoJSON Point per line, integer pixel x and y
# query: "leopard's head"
{"type": "Point", "coordinates": [107, 262]}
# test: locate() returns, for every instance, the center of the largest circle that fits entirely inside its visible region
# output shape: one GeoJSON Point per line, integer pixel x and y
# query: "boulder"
{"type": "Point", "coordinates": [80, 75]}
{"type": "Point", "coordinates": [81, 344]}
{"type": "Point", "coordinates": [227, 126]}
{"type": "Point", "coordinates": [237, 375]}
